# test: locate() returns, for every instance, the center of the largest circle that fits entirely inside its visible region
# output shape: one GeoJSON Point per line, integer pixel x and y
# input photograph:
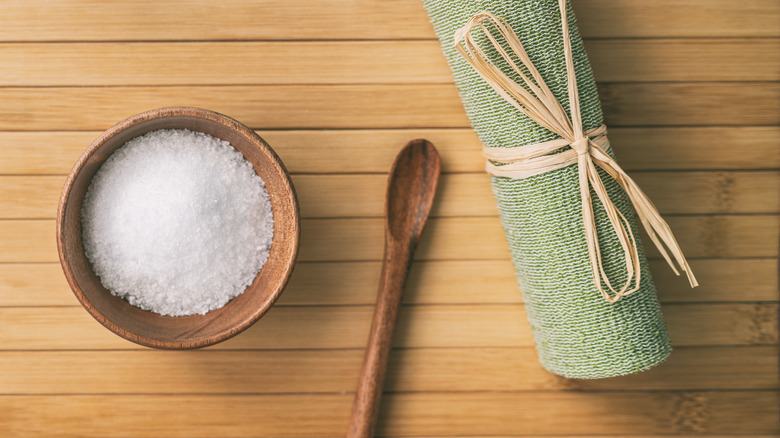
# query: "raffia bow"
{"type": "Point", "coordinates": [586, 149]}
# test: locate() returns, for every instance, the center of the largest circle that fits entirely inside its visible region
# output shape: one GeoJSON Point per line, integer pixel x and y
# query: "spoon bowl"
{"type": "Point", "coordinates": [410, 190]}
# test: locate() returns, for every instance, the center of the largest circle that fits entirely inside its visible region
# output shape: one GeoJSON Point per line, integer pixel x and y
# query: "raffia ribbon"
{"type": "Point", "coordinates": [586, 149]}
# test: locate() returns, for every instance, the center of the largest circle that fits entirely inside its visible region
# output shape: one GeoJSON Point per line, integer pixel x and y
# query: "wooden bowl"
{"type": "Point", "coordinates": [180, 332]}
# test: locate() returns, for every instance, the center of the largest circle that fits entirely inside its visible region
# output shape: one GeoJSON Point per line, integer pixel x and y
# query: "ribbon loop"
{"type": "Point", "coordinates": [586, 149]}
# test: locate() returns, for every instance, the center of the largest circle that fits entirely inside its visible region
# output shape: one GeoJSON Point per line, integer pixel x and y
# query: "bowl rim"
{"type": "Point", "coordinates": [161, 113]}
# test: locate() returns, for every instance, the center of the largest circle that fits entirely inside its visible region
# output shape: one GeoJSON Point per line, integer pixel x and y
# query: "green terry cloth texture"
{"type": "Point", "coordinates": [578, 334]}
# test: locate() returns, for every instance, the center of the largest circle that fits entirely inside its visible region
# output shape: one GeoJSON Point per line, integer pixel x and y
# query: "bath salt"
{"type": "Point", "coordinates": [177, 222]}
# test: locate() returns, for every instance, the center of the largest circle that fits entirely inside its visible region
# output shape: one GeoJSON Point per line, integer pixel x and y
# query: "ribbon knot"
{"type": "Point", "coordinates": [581, 146]}
{"type": "Point", "coordinates": [588, 150]}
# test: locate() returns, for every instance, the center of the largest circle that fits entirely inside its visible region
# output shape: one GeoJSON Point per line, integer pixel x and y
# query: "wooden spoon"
{"type": "Point", "coordinates": [410, 190]}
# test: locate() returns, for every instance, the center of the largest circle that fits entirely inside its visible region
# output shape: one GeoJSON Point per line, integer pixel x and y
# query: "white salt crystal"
{"type": "Point", "coordinates": [177, 222]}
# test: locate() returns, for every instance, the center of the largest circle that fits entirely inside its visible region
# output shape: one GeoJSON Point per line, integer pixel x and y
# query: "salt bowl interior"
{"type": "Point", "coordinates": [193, 331]}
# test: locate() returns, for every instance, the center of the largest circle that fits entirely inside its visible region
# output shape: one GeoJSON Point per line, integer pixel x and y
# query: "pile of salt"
{"type": "Point", "coordinates": [177, 222]}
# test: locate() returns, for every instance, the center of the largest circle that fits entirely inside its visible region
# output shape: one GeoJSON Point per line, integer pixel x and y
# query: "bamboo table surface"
{"type": "Point", "coordinates": [691, 93]}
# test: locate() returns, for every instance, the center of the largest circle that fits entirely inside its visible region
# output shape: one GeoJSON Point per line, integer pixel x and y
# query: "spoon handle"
{"type": "Point", "coordinates": [410, 190]}
{"type": "Point", "coordinates": [365, 408]}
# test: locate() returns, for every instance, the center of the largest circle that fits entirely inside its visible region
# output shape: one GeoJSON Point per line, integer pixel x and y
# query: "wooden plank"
{"type": "Point", "coordinates": [322, 283]}
{"type": "Point", "coordinates": [483, 238]}
{"type": "Point", "coordinates": [723, 236]}
{"type": "Point", "coordinates": [145, 20]}
{"type": "Point", "coordinates": [690, 104]}
{"type": "Point", "coordinates": [375, 105]}
{"type": "Point", "coordinates": [34, 285]}
{"type": "Point", "coordinates": [681, 148]}
{"type": "Point", "coordinates": [712, 192]}
{"type": "Point", "coordinates": [456, 238]}
{"type": "Point", "coordinates": [756, 323]}
{"type": "Point", "coordinates": [684, 60]}
{"type": "Point", "coordinates": [373, 150]}
{"type": "Point", "coordinates": [293, 106]}
{"type": "Point", "coordinates": [174, 416]}
{"type": "Point", "coordinates": [470, 194]}
{"type": "Point", "coordinates": [430, 282]}
{"type": "Point", "coordinates": [720, 280]}
{"type": "Point", "coordinates": [318, 151]}
{"type": "Point", "coordinates": [32, 241]}
{"type": "Point", "coordinates": [343, 103]}
{"type": "Point", "coordinates": [23, 153]}
{"type": "Point", "coordinates": [203, 63]}
{"type": "Point", "coordinates": [320, 371]}
{"type": "Point", "coordinates": [30, 197]}
{"type": "Point", "coordinates": [489, 414]}
{"type": "Point", "coordinates": [316, 327]}
{"type": "Point", "coordinates": [353, 62]}
{"type": "Point", "coordinates": [437, 414]}
{"type": "Point", "coordinates": [667, 18]}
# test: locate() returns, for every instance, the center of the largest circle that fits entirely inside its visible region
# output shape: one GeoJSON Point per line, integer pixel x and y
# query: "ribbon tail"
{"type": "Point", "coordinates": [658, 230]}
{"type": "Point", "coordinates": [664, 232]}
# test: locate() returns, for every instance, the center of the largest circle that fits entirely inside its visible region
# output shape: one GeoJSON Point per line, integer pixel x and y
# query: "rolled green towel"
{"type": "Point", "coordinates": [578, 333]}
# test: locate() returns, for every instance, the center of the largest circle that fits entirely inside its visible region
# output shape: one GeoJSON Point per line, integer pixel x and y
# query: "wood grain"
{"type": "Point", "coordinates": [507, 413]}
{"type": "Point", "coordinates": [205, 63]}
{"type": "Point", "coordinates": [282, 106]}
{"type": "Point", "coordinates": [455, 238]}
{"type": "Point", "coordinates": [404, 414]}
{"type": "Point", "coordinates": [698, 103]}
{"type": "Point", "coordinates": [202, 20]}
{"type": "Point", "coordinates": [391, 105]}
{"type": "Point", "coordinates": [665, 18]}
{"type": "Point", "coordinates": [79, 20]}
{"type": "Point", "coordinates": [360, 195]}
{"type": "Point", "coordinates": [683, 60]}
{"type": "Point", "coordinates": [691, 97]}
{"type": "Point", "coordinates": [355, 62]}
{"type": "Point", "coordinates": [682, 148]}
{"type": "Point", "coordinates": [318, 327]}
{"type": "Point", "coordinates": [372, 150]}
{"type": "Point", "coordinates": [335, 371]}
{"type": "Point", "coordinates": [430, 282]}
